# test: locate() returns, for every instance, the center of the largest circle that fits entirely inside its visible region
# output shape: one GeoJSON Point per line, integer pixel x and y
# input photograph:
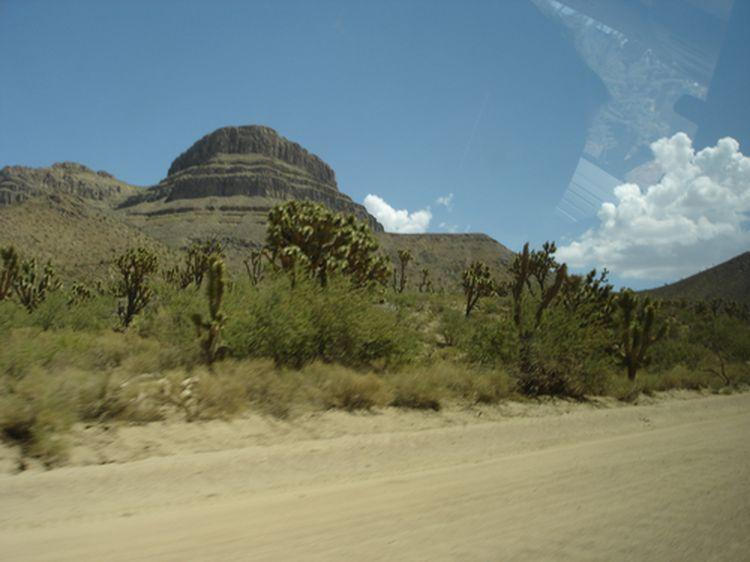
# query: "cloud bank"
{"type": "Point", "coordinates": [696, 216]}
{"type": "Point", "coordinates": [397, 220]}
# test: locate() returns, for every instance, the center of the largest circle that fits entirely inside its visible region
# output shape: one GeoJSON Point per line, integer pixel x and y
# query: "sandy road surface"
{"type": "Point", "coordinates": [669, 481]}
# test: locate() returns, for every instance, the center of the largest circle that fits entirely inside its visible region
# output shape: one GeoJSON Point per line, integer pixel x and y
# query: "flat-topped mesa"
{"type": "Point", "coordinates": [250, 167]}
{"type": "Point", "coordinates": [253, 139]}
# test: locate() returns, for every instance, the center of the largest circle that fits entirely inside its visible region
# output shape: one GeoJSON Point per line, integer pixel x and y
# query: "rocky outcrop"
{"type": "Point", "coordinates": [19, 183]}
{"type": "Point", "coordinates": [253, 139]}
{"type": "Point", "coordinates": [251, 162]}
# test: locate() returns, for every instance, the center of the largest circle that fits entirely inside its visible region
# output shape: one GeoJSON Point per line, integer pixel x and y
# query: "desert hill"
{"type": "Point", "coordinates": [446, 255]}
{"type": "Point", "coordinates": [221, 187]}
{"type": "Point", "coordinates": [20, 183]}
{"type": "Point", "coordinates": [80, 238]}
{"type": "Point", "coordinates": [729, 281]}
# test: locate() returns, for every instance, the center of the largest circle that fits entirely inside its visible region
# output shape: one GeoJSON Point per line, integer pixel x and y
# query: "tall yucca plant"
{"type": "Point", "coordinates": [477, 283]}
{"type": "Point", "coordinates": [400, 277]}
{"type": "Point", "coordinates": [637, 330]}
{"type": "Point", "coordinates": [134, 269]}
{"type": "Point", "coordinates": [209, 330]}
{"type": "Point", "coordinates": [9, 271]}
{"type": "Point", "coordinates": [31, 285]}
{"type": "Point", "coordinates": [526, 266]}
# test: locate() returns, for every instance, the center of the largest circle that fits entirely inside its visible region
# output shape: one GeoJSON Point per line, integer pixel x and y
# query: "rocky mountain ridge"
{"type": "Point", "coordinates": [221, 187]}
{"type": "Point", "coordinates": [19, 183]}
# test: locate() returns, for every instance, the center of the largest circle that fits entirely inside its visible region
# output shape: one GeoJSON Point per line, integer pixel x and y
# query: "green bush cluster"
{"type": "Point", "coordinates": [335, 324]}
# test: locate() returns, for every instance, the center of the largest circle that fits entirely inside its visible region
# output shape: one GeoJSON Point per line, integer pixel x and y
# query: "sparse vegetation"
{"type": "Point", "coordinates": [334, 338]}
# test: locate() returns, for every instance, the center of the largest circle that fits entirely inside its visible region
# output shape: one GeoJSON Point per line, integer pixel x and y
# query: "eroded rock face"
{"type": "Point", "coordinates": [253, 139]}
{"type": "Point", "coordinates": [248, 162]}
{"type": "Point", "coordinates": [19, 183]}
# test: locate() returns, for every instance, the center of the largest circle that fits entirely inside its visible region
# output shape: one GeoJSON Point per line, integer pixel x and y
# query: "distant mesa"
{"type": "Point", "coordinates": [253, 163]}
{"type": "Point", "coordinates": [221, 187]}
{"type": "Point", "coordinates": [253, 139]}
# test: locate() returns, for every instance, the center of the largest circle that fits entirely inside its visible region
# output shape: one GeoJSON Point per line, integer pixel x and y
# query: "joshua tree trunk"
{"type": "Point", "coordinates": [632, 370]}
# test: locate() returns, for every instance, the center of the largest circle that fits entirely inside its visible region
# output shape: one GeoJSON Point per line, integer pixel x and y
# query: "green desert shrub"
{"type": "Point", "coordinates": [567, 357]}
{"type": "Point", "coordinates": [12, 315]}
{"type": "Point", "coordinates": [675, 350]}
{"type": "Point", "coordinates": [453, 327]}
{"type": "Point", "coordinates": [92, 315]}
{"type": "Point", "coordinates": [334, 324]}
{"type": "Point", "coordinates": [490, 342]}
{"type": "Point", "coordinates": [170, 322]}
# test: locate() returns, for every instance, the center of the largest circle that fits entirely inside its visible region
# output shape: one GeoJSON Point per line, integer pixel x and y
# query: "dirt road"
{"type": "Point", "coordinates": [669, 481]}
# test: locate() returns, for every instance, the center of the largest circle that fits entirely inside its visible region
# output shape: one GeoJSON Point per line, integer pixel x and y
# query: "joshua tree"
{"type": "Point", "coordinates": [9, 272]}
{"type": "Point", "coordinates": [477, 283]}
{"type": "Point", "coordinates": [79, 293]}
{"type": "Point", "coordinates": [200, 255]}
{"type": "Point", "coordinates": [254, 267]}
{"type": "Point", "coordinates": [209, 330]}
{"type": "Point", "coordinates": [425, 283]}
{"type": "Point", "coordinates": [32, 287]}
{"type": "Point", "coordinates": [399, 278]}
{"type": "Point", "coordinates": [197, 261]}
{"type": "Point", "coordinates": [134, 268]}
{"type": "Point", "coordinates": [636, 323]}
{"type": "Point", "coordinates": [538, 265]}
{"type": "Point", "coordinates": [589, 296]}
{"type": "Point", "coordinates": [307, 236]}
{"type": "Point", "coordinates": [542, 264]}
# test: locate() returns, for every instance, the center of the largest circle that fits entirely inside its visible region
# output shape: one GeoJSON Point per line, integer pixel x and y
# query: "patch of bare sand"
{"type": "Point", "coordinates": [665, 480]}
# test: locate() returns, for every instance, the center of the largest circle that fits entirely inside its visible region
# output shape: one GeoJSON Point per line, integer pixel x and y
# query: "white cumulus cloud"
{"type": "Point", "coordinates": [397, 220]}
{"type": "Point", "coordinates": [696, 216]}
{"type": "Point", "coordinates": [445, 200]}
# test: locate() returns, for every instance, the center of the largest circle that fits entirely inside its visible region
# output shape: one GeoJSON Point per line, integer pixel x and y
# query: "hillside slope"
{"type": "Point", "coordinates": [729, 281]}
{"type": "Point", "coordinates": [447, 255]}
{"type": "Point", "coordinates": [221, 187]}
{"type": "Point", "coordinates": [78, 237]}
{"type": "Point", "coordinates": [20, 183]}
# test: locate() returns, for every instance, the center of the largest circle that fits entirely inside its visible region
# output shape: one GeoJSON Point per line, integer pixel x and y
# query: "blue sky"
{"type": "Point", "coordinates": [409, 101]}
